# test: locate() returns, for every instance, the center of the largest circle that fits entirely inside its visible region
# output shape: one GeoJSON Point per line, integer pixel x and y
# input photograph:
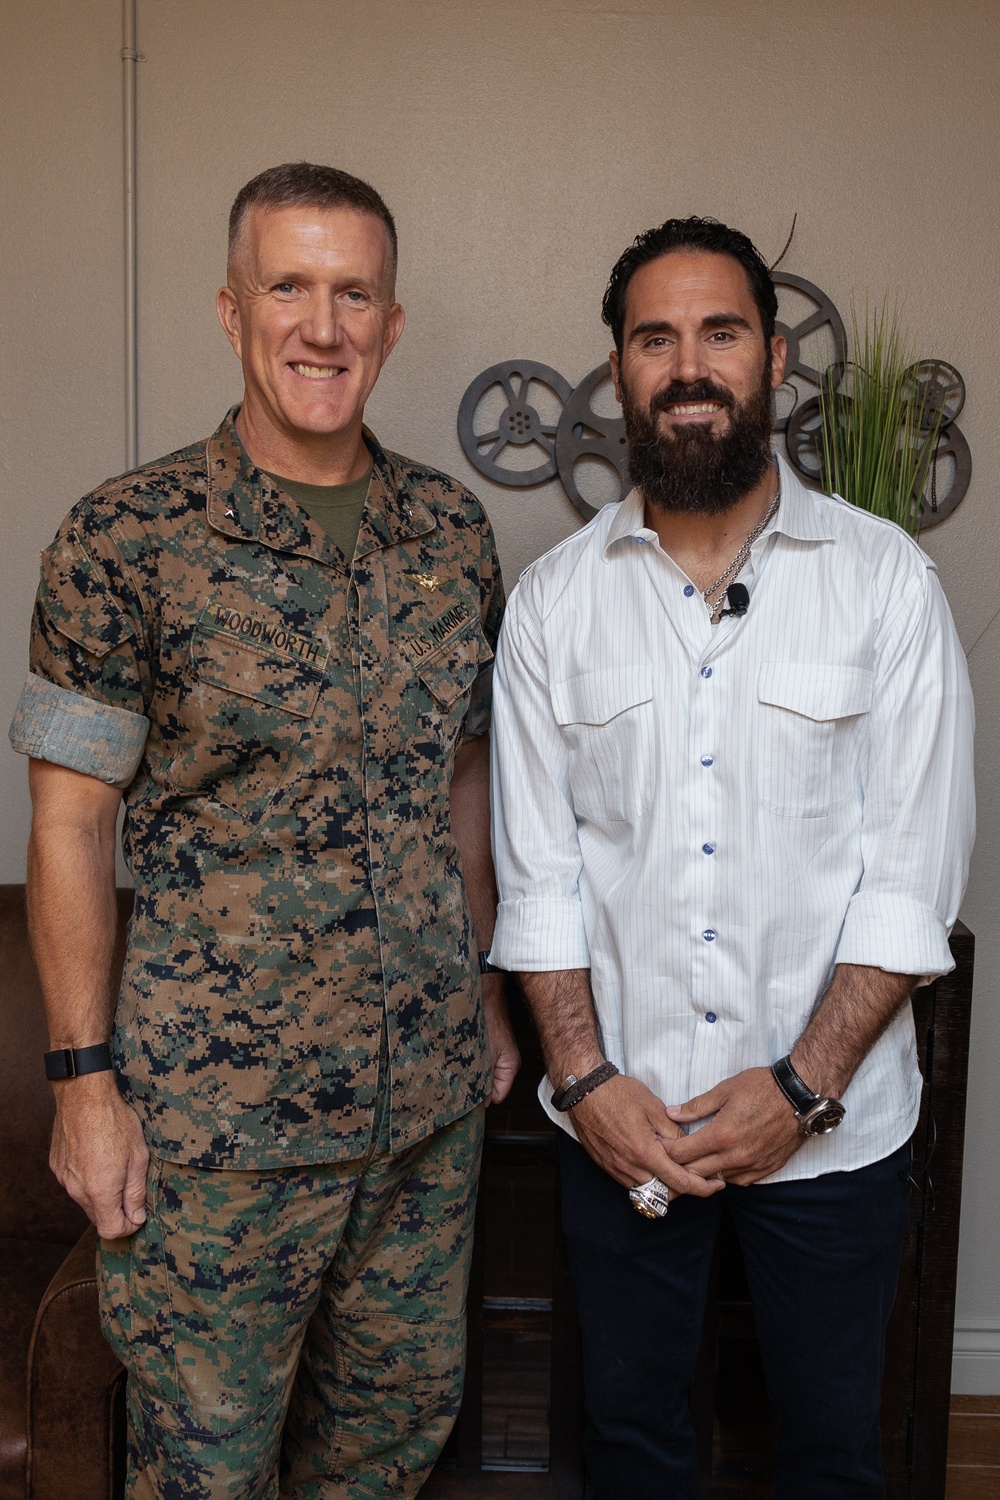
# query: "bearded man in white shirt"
{"type": "Point", "coordinates": [733, 816]}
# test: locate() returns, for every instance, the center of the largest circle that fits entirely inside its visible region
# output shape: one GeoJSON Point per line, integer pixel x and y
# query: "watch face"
{"type": "Point", "coordinates": [826, 1116]}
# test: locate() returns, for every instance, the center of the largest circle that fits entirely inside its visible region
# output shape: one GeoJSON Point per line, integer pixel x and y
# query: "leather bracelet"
{"type": "Point", "coordinates": [574, 1089]}
{"type": "Point", "coordinates": [485, 967]}
{"type": "Point", "coordinates": [70, 1062]}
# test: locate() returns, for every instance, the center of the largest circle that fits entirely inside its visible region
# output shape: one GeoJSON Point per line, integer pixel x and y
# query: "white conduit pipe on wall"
{"type": "Point", "coordinates": [130, 59]}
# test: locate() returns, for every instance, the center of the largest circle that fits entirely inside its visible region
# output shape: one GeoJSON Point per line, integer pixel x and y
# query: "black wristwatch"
{"type": "Point", "coordinates": [485, 967]}
{"type": "Point", "coordinates": [71, 1062]}
{"type": "Point", "coordinates": [816, 1115]}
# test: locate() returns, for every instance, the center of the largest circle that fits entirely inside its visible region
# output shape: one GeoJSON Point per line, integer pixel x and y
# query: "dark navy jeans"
{"type": "Point", "coordinates": [822, 1260]}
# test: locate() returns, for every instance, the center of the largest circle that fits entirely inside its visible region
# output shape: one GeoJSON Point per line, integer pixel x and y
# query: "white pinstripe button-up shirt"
{"type": "Point", "coordinates": [709, 818]}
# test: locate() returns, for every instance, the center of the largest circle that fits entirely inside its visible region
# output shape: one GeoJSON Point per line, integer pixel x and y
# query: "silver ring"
{"type": "Point", "coordinates": [651, 1198]}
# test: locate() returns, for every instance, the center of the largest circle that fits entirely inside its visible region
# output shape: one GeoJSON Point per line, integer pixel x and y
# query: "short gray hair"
{"type": "Point", "coordinates": [301, 184]}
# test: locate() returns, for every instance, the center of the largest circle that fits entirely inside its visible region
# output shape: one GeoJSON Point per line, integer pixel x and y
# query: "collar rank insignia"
{"type": "Point", "coordinates": [428, 581]}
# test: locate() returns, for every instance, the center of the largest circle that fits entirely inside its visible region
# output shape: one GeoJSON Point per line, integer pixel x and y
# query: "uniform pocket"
{"type": "Point", "coordinates": [211, 1333]}
{"type": "Point", "coordinates": [811, 734]}
{"type": "Point", "coordinates": [608, 724]}
{"type": "Point", "coordinates": [135, 1302]}
{"type": "Point", "coordinates": [242, 711]}
{"type": "Point", "coordinates": [448, 675]}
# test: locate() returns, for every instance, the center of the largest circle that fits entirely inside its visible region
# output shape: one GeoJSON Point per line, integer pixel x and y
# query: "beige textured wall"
{"type": "Point", "coordinates": [61, 321]}
{"type": "Point", "coordinates": [520, 147]}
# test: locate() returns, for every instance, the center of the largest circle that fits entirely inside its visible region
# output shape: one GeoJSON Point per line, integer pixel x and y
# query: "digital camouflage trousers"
{"type": "Point", "coordinates": [299, 1331]}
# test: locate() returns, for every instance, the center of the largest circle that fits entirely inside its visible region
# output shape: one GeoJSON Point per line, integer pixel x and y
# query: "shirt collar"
{"type": "Point", "coordinates": [799, 516]}
{"type": "Point", "coordinates": [629, 520]}
{"type": "Point", "coordinates": [245, 503]}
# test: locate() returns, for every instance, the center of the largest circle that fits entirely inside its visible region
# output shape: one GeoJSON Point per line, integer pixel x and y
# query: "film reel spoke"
{"type": "Point", "coordinates": [514, 397]}
{"type": "Point", "coordinates": [811, 322]}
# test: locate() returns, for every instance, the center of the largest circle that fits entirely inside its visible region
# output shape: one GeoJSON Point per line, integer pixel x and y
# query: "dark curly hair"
{"type": "Point", "coordinates": [689, 234]}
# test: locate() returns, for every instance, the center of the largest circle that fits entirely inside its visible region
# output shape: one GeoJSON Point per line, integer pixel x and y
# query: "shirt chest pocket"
{"type": "Point", "coordinates": [448, 674]}
{"type": "Point", "coordinates": [243, 709]}
{"type": "Point", "coordinates": [451, 679]}
{"type": "Point", "coordinates": [812, 735]}
{"type": "Point", "coordinates": [608, 724]}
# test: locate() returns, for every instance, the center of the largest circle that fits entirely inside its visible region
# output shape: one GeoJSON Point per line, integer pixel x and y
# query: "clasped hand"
{"type": "Point", "coordinates": [751, 1132]}
{"type": "Point", "coordinates": [752, 1129]}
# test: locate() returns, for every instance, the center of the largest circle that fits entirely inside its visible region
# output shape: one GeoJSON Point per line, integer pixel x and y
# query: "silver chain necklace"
{"type": "Point", "coordinates": [717, 591]}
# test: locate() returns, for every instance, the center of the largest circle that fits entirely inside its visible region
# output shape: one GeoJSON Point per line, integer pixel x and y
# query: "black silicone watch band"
{"type": "Point", "coordinates": [485, 967]}
{"type": "Point", "coordinates": [70, 1062]}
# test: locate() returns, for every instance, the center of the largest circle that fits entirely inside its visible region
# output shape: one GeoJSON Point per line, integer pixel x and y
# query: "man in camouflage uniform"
{"type": "Point", "coordinates": [282, 1162]}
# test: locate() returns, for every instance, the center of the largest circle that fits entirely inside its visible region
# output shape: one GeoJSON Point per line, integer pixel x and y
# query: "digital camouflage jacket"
{"type": "Point", "coordinates": [283, 724]}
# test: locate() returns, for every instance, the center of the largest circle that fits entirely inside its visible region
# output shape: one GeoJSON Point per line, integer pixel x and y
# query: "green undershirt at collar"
{"type": "Point", "coordinates": [335, 507]}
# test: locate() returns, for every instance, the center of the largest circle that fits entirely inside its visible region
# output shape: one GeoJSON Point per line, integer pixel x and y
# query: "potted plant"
{"type": "Point", "coordinates": [880, 417]}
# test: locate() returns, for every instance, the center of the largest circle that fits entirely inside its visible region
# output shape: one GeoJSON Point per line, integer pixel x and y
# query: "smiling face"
{"type": "Point", "coordinates": [310, 312]}
{"type": "Point", "coordinates": [692, 328]}
{"type": "Point", "coordinates": [695, 378]}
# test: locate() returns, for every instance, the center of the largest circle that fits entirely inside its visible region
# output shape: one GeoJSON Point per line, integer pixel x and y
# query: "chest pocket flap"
{"type": "Point", "coordinates": [451, 670]}
{"type": "Point", "coordinates": [817, 690]}
{"type": "Point", "coordinates": [599, 697]}
{"type": "Point", "coordinates": [285, 681]}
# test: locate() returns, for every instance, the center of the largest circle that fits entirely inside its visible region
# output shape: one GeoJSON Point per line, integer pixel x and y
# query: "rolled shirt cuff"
{"type": "Point", "coordinates": [69, 729]}
{"type": "Point", "coordinates": [896, 934]}
{"type": "Point", "coordinates": [540, 935]}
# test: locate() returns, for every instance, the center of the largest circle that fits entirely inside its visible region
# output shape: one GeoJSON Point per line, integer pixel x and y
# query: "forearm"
{"type": "Point", "coordinates": [858, 1005]}
{"type": "Point", "coordinates": [470, 825]}
{"type": "Point", "coordinates": [72, 911]}
{"type": "Point", "coordinates": [562, 1005]}
{"type": "Point", "coordinates": [98, 1152]}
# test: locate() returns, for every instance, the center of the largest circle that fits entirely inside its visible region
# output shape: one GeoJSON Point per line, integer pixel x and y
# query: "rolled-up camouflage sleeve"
{"type": "Point", "coordinates": [83, 705]}
{"type": "Point", "coordinates": [477, 720]}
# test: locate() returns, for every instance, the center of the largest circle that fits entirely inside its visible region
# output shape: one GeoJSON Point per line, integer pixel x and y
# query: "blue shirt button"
{"type": "Point", "coordinates": [711, 1016]}
{"type": "Point", "coordinates": [706, 671]}
{"type": "Point", "coordinates": [708, 760]}
{"type": "Point", "coordinates": [709, 934]}
{"type": "Point", "coordinates": [708, 848]}
{"type": "Point", "coordinates": [688, 590]}
{"type": "Point", "coordinates": [641, 540]}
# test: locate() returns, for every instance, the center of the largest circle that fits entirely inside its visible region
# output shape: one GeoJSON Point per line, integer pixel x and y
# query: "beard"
{"type": "Point", "coordinates": [691, 470]}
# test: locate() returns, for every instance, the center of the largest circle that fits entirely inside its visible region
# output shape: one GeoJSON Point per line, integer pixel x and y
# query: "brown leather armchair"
{"type": "Point", "coordinates": [61, 1389]}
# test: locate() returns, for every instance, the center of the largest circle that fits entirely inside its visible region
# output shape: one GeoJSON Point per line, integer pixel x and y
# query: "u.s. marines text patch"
{"type": "Point", "coordinates": [440, 631]}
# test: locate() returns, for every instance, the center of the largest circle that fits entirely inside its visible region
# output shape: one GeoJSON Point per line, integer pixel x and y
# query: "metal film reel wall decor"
{"type": "Point", "coordinates": [518, 425]}
{"type": "Point", "coordinates": [585, 434]}
{"type": "Point", "coordinates": [508, 410]}
{"type": "Point", "coordinates": [821, 321]}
